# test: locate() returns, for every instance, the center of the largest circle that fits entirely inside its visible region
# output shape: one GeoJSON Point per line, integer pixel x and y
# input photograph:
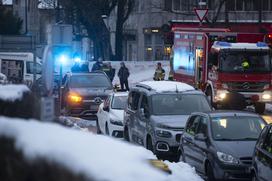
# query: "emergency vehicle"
{"type": "Point", "coordinates": [18, 67]}
{"type": "Point", "coordinates": [219, 61]}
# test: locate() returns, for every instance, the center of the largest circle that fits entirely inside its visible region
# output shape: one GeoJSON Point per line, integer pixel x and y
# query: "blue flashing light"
{"type": "Point", "coordinates": [63, 59]}
{"type": "Point", "coordinates": [77, 59]}
{"type": "Point", "coordinates": [223, 44]}
{"type": "Point", "coordinates": [261, 44]}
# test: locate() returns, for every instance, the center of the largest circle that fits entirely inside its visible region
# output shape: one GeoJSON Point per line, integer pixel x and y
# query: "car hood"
{"type": "Point", "coordinates": [91, 91]}
{"type": "Point", "coordinates": [116, 114]}
{"type": "Point", "coordinates": [236, 148]}
{"type": "Point", "coordinates": [175, 121]}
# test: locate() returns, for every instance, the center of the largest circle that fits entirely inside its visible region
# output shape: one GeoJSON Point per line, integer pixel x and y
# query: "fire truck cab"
{"type": "Point", "coordinates": [221, 62]}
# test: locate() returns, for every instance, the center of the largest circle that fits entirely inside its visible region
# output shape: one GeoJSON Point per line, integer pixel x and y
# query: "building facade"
{"type": "Point", "coordinates": [143, 37]}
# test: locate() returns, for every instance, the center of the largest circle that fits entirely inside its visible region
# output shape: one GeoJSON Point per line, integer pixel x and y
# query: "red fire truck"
{"type": "Point", "coordinates": [224, 60]}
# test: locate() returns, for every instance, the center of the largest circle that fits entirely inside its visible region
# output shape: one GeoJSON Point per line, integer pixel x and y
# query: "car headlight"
{"type": "Point", "coordinates": [221, 95]}
{"type": "Point", "coordinates": [116, 122]}
{"type": "Point", "coordinates": [267, 95]}
{"type": "Point", "coordinates": [164, 134]}
{"type": "Point", "coordinates": [162, 126]}
{"type": "Point", "coordinates": [225, 158]}
{"type": "Point", "coordinates": [74, 98]}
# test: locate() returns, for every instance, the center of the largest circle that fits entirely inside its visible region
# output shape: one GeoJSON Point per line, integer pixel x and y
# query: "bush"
{"type": "Point", "coordinates": [28, 107]}
{"type": "Point", "coordinates": [14, 167]}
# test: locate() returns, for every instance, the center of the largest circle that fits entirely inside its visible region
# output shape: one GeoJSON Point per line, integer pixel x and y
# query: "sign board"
{"type": "Point", "coordinates": [47, 109]}
{"type": "Point", "coordinates": [201, 13]}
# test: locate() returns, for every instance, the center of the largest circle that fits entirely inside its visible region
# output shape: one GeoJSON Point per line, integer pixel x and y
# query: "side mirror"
{"type": "Point", "coordinates": [200, 137]}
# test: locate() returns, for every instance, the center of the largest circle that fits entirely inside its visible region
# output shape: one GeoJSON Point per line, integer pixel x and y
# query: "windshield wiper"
{"type": "Point", "coordinates": [248, 138]}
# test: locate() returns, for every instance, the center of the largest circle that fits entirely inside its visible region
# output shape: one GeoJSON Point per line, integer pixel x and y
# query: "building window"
{"type": "Point", "coordinates": [247, 5]}
{"type": "Point", "coordinates": [181, 5]}
{"type": "Point", "coordinates": [154, 47]}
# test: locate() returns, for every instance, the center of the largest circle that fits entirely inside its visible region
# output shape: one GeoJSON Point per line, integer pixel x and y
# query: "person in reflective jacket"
{"type": "Point", "coordinates": [159, 72]}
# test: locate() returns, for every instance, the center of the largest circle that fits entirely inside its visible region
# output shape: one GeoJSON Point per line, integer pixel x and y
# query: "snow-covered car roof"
{"type": "Point", "coordinates": [166, 86]}
{"type": "Point", "coordinates": [95, 156]}
{"type": "Point", "coordinates": [12, 92]}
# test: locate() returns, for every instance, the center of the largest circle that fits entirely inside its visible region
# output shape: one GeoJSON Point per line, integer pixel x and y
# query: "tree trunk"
{"type": "Point", "coordinates": [119, 31]}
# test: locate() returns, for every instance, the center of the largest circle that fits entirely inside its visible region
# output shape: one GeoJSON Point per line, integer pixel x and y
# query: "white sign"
{"type": "Point", "coordinates": [47, 109]}
{"type": "Point", "coordinates": [201, 13]}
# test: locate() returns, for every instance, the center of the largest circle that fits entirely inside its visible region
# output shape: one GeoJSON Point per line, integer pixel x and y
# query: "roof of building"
{"type": "Point", "coordinates": [165, 86]}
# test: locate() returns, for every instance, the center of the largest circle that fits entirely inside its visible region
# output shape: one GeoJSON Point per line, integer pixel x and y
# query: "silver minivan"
{"type": "Point", "coordinates": [157, 113]}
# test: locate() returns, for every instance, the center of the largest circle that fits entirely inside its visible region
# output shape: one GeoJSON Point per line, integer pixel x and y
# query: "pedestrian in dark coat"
{"type": "Point", "coordinates": [97, 65]}
{"type": "Point", "coordinates": [111, 73]}
{"type": "Point", "coordinates": [123, 75]}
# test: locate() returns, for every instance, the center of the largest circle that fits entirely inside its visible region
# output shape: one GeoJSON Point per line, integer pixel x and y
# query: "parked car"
{"type": "Point", "coordinates": [157, 113]}
{"type": "Point", "coordinates": [110, 115]}
{"type": "Point", "coordinates": [82, 93]}
{"type": "Point", "coordinates": [220, 144]}
{"type": "Point", "coordinates": [262, 157]}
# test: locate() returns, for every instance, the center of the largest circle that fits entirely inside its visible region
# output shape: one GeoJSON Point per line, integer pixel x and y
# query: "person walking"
{"type": "Point", "coordinates": [123, 75]}
{"type": "Point", "coordinates": [111, 72]}
{"type": "Point", "coordinates": [107, 68]}
{"type": "Point", "coordinates": [159, 72]}
{"type": "Point", "coordinates": [97, 65]}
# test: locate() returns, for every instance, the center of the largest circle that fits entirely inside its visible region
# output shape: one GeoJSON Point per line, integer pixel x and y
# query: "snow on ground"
{"type": "Point", "coordinates": [12, 92]}
{"type": "Point", "coordinates": [139, 70]}
{"type": "Point", "coordinates": [96, 156]}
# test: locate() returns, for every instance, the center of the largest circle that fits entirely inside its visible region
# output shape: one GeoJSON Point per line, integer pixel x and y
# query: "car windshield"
{"type": "Point", "coordinates": [85, 81]}
{"type": "Point", "coordinates": [177, 104]}
{"type": "Point", "coordinates": [119, 102]}
{"type": "Point", "coordinates": [236, 128]}
{"type": "Point", "coordinates": [245, 61]}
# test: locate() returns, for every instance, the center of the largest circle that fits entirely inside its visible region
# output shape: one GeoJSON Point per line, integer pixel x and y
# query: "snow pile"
{"type": "Point", "coordinates": [99, 157]}
{"type": "Point", "coordinates": [12, 92]}
{"type": "Point", "coordinates": [164, 86]}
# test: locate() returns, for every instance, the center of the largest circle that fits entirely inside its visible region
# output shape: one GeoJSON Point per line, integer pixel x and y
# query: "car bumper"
{"type": "Point", "coordinates": [83, 109]}
{"type": "Point", "coordinates": [168, 146]}
{"type": "Point", "coordinates": [226, 172]}
{"type": "Point", "coordinates": [116, 130]}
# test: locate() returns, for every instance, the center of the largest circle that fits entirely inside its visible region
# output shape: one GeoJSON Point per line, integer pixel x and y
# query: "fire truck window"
{"type": "Point", "coordinates": [213, 60]}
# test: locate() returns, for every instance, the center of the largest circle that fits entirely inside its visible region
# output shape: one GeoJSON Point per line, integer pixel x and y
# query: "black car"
{"type": "Point", "coordinates": [220, 144]}
{"type": "Point", "coordinates": [262, 158]}
{"type": "Point", "coordinates": [82, 93]}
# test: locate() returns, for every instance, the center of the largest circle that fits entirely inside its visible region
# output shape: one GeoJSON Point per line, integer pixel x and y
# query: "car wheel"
{"type": "Point", "coordinates": [126, 134]}
{"type": "Point", "coordinates": [98, 130]}
{"type": "Point", "coordinates": [259, 107]}
{"type": "Point", "coordinates": [149, 144]}
{"type": "Point", "coordinates": [107, 130]}
{"type": "Point", "coordinates": [209, 173]}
